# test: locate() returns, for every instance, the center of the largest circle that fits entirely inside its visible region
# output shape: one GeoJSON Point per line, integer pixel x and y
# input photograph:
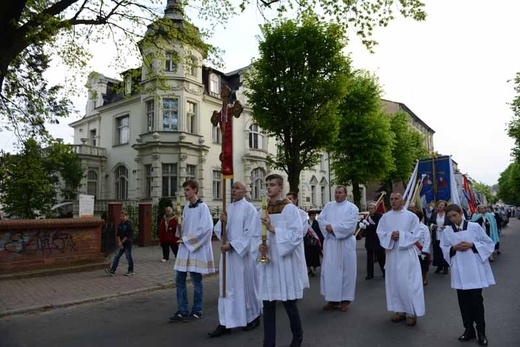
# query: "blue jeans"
{"type": "Point", "coordinates": [127, 250]}
{"type": "Point", "coordinates": [182, 293]}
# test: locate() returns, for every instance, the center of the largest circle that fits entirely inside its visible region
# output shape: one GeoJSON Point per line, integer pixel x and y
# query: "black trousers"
{"type": "Point", "coordinates": [471, 304]}
{"type": "Point", "coordinates": [166, 250]}
{"type": "Point", "coordinates": [270, 321]}
{"type": "Point", "coordinates": [381, 258]}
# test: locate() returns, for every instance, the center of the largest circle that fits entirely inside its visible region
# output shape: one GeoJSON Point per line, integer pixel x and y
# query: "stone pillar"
{"type": "Point", "coordinates": [145, 224]}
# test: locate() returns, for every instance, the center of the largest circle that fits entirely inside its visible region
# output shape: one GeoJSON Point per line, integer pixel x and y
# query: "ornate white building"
{"type": "Point", "coordinates": [139, 141]}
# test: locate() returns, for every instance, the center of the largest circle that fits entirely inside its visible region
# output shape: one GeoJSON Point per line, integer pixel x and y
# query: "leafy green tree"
{"type": "Point", "coordinates": [295, 88]}
{"type": "Point", "coordinates": [363, 151]}
{"type": "Point", "coordinates": [409, 147]}
{"type": "Point", "coordinates": [32, 179]}
{"type": "Point", "coordinates": [514, 125]}
{"type": "Point", "coordinates": [486, 191]}
{"type": "Point", "coordinates": [509, 184]}
{"type": "Point", "coordinates": [34, 30]}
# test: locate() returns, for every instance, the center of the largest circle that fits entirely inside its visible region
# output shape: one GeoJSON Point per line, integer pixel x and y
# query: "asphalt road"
{"type": "Point", "coordinates": [141, 320]}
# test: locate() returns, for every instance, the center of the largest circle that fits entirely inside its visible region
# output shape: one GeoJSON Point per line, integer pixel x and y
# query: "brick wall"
{"type": "Point", "coordinates": [45, 243]}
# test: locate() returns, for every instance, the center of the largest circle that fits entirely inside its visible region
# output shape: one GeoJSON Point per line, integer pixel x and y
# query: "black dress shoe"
{"type": "Point", "coordinates": [219, 331]}
{"type": "Point", "coordinates": [482, 339]}
{"type": "Point", "coordinates": [253, 324]}
{"type": "Point", "coordinates": [296, 342]}
{"type": "Point", "coordinates": [369, 277]}
{"type": "Point", "coordinates": [445, 271]}
{"type": "Point", "coordinates": [468, 335]}
{"type": "Point", "coordinates": [438, 270]}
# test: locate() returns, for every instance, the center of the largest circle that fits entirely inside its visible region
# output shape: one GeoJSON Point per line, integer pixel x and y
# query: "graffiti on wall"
{"type": "Point", "coordinates": [41, 242]}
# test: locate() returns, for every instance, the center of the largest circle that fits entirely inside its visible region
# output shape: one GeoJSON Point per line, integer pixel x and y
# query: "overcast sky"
{"type": "Point", "coordinates": [452, 70]}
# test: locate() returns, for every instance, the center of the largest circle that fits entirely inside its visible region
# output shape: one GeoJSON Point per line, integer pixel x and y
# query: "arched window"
{"type": "Point", "coordinates": [256, 138]}
{"type": "Point", "coordinates": [214, 85]}
{"type": "Point", "coordinates": [92, 182]}
{"type": "Point", "coordinates": [121, 182]}
{"type": "Point", "coordinates": [257, 183]}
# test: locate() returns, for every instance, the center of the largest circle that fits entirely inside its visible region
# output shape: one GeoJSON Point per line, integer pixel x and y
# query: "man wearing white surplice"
{"type": "Point", "coordinates": [242, 306]}
{"type": "Point", "coordinates": [284, 276]}
{"type": "Point", "coordinates": [338, 221]}
{"type": "Point", "coordinates": [398, 232]}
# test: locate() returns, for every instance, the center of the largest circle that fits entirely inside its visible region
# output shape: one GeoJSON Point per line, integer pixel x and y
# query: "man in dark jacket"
{"type": "Point", "coordinates": [124, 242]}
{"type": "Point", "coordinates": [372, 244]}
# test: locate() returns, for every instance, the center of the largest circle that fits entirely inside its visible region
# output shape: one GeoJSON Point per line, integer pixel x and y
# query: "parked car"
{"type": "Point", "coordinates": [62, 210]}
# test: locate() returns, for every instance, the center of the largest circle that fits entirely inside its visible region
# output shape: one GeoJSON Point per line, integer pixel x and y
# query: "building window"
{"type": "Point", "coordinates": [170, 114]}
{"type": "Point", "coordinates": [92, 182]}
{"type": "Point", "coordinates": [191, 117]}
{"type": "Point", "coordinates": [217, 184]}
{"type": "Point", "coordinates": [123, 129]}
{"type": "Point", "coordinates": [216, 135]}
{"type": "Point", "coordinates": [170, 65]}
{"type": "Point", "coordinates": [313, 195]}
{"type": "Point", "coordinates": [121, 182]}
{"type": "Point", "coordinates": [150, 113]}
{"type": "Point", "coordinates": [128, 85]}
{"type": "Point", "coordinates": [169, 180]}
{"type": "Point", "coordinates": [214, 85]}
{"type": "Point", "coordinates": [93, 134]}
{"type": "Point", "coordinates": [194, 65]}
{"type": "Point", "coordinates": [323, 196]}
{"type": "Point", "coordinates": [190, 172]}
{"type": "Point", "coordinates": [148, 181]}
{"type": "Point", "coordinates": [256, 138]}
{"type": "Point", "coordinates": [323, 163]}
{"type": "Point", "coordinates": [257, 183]}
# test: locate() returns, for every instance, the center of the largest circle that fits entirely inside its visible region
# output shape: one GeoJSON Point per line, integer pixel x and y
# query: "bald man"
{"type": "Point", "coordinates": [241, 307]}
{"type": "Point", "coordinates": [398, 231]}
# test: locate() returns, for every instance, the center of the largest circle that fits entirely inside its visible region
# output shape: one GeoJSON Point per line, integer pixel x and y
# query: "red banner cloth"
{"type": "Point", "coordinates": [226, 156]}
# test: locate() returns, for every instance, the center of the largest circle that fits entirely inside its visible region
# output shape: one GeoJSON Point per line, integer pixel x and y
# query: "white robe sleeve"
{"type": "Point", "coordinates": [408, 238]}
{"type": "Point", "coordinates": [242, 244]}
{"type": "Point", "coordinates": [483, 243]}
{"type": "Point", "coordinates": [384, 232]}
{"type": "Point", "coordinates": [217, 230]}
{"type": "Point", "coordinates": [447, 240]}
{"type": "Point", "coordinates": [347, 225]}
{"type": "Point", "coordinates": [200, 234]}
{"type": "Point", "coordinates": [289, 236]}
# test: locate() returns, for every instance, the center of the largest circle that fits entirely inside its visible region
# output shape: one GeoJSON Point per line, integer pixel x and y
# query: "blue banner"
{"type": "Point", "coordinates": [436, 177]}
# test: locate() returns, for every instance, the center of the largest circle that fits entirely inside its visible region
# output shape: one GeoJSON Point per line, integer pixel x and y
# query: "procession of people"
{"type": "Point", "coordinates": [267, 255]}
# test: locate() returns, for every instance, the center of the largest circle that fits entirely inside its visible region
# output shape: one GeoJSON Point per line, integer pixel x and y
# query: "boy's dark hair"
{"type": "Point", "coordinates": [293, 194]}
{"type": "Point", "coordinates": [192, 184]}
{"type": "Point", "coordinates": [419, 214]}
{"type": "Point", "coordinates": [276, 177]}
{"type": "Point", "coordinates": [453, 207]}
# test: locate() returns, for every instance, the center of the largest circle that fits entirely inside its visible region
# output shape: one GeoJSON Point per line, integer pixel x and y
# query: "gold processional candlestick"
{"type": "Point", "coordinates": [263, 257]}
{"type": "Point", "coordinates": [179, 219]}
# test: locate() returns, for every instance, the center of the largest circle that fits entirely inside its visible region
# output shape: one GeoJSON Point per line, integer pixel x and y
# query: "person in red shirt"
{"type": "Point", "coordinates": [167, 238]}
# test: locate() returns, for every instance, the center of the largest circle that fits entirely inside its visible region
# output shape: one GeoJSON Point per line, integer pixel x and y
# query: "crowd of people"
{"type": "Point", "coordinates": [292, 244]}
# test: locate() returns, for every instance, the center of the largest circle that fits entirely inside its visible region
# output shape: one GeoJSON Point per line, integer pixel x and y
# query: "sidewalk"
{"type": "Point", "coordinates": [23, 295]}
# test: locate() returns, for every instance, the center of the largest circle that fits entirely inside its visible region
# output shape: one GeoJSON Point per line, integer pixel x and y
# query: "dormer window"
{"type": "Point", "coordinates": [169, 64]}
{"type": "Point", "coordinates": [194, 65]}
{"type": "Point", "coordinates": [214, 85]}
{"type": "Point", "coordinates": [128, 85]}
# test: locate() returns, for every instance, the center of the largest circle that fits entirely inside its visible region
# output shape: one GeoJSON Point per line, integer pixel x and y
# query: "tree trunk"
{"type": "Point", "coordinates": [356, 191]}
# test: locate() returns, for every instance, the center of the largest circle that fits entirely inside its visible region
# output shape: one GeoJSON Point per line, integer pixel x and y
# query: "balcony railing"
{"type": "Point", "coordinates": [89, 150]}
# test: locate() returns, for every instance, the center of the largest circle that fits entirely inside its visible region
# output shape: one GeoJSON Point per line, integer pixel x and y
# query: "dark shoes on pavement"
{"type": "Point", "coordinates": [343, 307]}
{"type": "Point", "coordinates": [178, 317]}
{"type": "Point", "coordinates": [482, 339]}
{"type": "Point", "coordinates": [219, 331]}
{"type": "Point", "coordinates": [398, 317]}
{"type": "Point", "coordinates": [331, 306]}
{"type": "Point", "coordinates": [467, 335]}
{"type": "Point", "coordinates": [252, 325]}
{"type": "Point", "coordinates": [110, 272]}
{"type": "Point", "coordinates": [296, 342]}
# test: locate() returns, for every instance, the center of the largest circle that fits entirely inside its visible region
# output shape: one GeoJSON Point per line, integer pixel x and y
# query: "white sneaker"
{"type": "Point", "coordinates": [164, 261]}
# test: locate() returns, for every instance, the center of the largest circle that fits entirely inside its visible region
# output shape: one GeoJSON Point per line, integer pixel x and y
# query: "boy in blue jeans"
{"type": "Point", "coordinates": [124, 242]}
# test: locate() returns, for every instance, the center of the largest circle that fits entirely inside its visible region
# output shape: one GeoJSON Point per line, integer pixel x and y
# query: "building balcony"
{"type": "Point", "coordinates": [86, 150]}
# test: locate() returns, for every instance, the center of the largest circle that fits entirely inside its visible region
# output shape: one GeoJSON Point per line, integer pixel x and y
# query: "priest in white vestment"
{"type": "Point", "coordinates": [338, 221]}
{"type": "Point", "coordinates": [467, 248]}
{"type": "Point", "coordinates": [241, 306]}
{"type": "Point", "coordinates": [284, 276]}
{"type": "Point", "coordinates": [398, 232]}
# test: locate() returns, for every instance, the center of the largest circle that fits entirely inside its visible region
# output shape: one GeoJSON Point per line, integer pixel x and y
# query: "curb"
{"type": "Point", "coordinates": [48, 307]}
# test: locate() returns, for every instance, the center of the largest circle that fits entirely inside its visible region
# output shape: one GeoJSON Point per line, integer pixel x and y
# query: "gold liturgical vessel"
{"type": "Point", "coordinates": [263, 258]}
